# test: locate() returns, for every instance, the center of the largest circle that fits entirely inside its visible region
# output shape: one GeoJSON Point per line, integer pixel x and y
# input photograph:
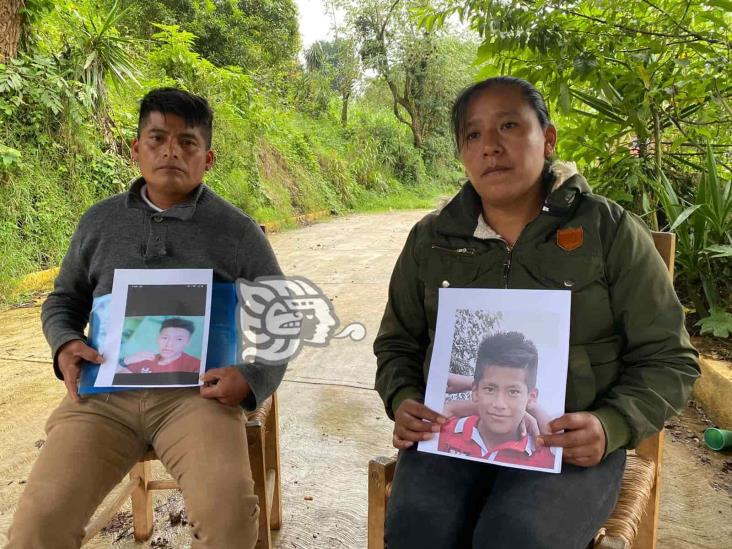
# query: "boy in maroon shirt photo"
{"type": "Point", "coordinates": [175, 335]}
{"type": "Point", "coordinates": [503, 388]}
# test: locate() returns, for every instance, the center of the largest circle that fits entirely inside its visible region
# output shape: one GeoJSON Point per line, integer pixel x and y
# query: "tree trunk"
{"type": "Point", "coordinates": [417, 139]}
{"type": "Point", "coordinates": [11, 23]}
{"type": "Point", "coordinates": [344, 110]}
{"type": "Point", "coordinates": [417, 131]}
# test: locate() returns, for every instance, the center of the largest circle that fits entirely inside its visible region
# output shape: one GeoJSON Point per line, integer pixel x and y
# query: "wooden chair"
{"type": "Point", "coordinates": [634, 521]}
{"type": "Point", "coordinates": [262, 430]}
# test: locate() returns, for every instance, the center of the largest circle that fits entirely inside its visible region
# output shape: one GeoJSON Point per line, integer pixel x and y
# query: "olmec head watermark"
{"type": "Point", "coordinates": [278, 315]}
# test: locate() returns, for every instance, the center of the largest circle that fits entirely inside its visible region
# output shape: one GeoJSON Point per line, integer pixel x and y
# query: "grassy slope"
{"type": "Point", "coordinates": [290, 165]}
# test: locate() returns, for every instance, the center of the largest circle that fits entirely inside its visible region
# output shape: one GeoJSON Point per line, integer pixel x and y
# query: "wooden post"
{"type": "Point", "coordinates": [142, 511]}
{"type": "Point", "coordinates": [272, 463]}
{"type": "Point", "coordinates": [651, 448]}
{"type": "Point", "coordinates": [381, 474]}
{"type": "Point", "coordinates": [255, 441]}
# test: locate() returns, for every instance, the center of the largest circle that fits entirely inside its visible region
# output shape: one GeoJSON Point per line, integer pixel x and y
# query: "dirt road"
{"type": "Point", "coordinates": [331, 420]}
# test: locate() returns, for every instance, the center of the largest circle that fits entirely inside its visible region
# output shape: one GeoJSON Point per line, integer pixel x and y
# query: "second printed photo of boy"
{"type": "Point", "coordinates": [501, 419]}
{"type": "Point", "coordinates": [162, 336]}
{"type": "Point", "coordinates": [498, 373]}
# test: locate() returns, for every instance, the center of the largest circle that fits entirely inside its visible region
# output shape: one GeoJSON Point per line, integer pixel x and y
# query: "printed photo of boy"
{"type": "Point", "coordinates": [503, 391]}
{"type": "Point", "coordinates": [175, 335]}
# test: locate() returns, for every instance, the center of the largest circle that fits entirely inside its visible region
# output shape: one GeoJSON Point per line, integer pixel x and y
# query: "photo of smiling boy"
{"type": "Point", "coordinates": [504, 386]}
{"type": "Point", "coordinates": [175, 335]}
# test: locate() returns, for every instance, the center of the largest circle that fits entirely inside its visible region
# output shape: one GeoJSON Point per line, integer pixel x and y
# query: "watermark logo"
{"type": "Point", "coordinates": [277, 316]}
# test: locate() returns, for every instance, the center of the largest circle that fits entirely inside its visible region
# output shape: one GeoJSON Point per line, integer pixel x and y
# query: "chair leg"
{"type": "Point", "coordinates": [272, 462]}
{"type": "Point", "coordinates": [142, 511]}
{"type": "Point", "coordinates": [255, 441]}
{"type": "Point", "coordinates": [651, 448]}
{"type": "Point", "coordinates": [376, 504]}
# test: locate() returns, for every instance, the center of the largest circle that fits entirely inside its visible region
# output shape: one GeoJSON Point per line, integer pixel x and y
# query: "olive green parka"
{"type": "Point", "coordinates": [630, 361]}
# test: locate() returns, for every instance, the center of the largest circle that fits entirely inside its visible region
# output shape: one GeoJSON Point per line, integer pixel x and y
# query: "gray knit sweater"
{"type": "Point", "coordinates": [123, 232]}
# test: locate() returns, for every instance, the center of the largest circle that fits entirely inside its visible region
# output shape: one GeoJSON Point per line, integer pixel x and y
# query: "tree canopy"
{"type": "Point", "coordinates": [252, 34]}
{"type": "Point", "coordinates": [643, 92]}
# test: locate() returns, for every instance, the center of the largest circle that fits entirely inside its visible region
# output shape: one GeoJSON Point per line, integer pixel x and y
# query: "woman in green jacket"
{"type": "Point", "coordinates": [522, 221]}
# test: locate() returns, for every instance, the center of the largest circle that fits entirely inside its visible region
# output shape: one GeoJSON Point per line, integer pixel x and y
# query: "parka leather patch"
{"type": "Point", "coordinates": [570, 238]}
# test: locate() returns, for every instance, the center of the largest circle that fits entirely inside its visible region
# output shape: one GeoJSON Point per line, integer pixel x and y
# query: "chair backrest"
{"type": "Point", "coordinates": [666, 246]}
{"type": "Point", "coordinates": [652, 447]}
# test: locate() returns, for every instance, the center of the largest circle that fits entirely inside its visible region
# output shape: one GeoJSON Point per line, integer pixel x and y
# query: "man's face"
{"type": "Point", "coordinates": [172, 158]}
{"type": "Point", "coordinates": [172, 342]}
{"type": "Point", "coordinates": [502, 396]}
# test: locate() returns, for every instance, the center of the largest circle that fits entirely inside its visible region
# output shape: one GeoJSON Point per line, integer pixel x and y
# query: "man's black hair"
{"type": "Point", "coordinates": [509, 349]}
{"type": "Point", "coordinates": [192, 108]}
{"type": "Point", "coordinates": [178, 323]}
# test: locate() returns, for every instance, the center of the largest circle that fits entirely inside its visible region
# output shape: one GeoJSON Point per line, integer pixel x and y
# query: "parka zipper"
{"type": "Point", "coordinates": [507, 265]}
{"type": "Point", "coordinates": [509, 253]}
{"type": "Point", "coordinates": [458, 251]}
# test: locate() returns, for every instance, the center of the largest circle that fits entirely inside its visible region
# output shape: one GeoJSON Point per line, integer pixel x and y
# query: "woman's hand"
{"type": "Point", "coordinates": [583, 438]}
{"type": "Point", "coordinates": [413, 422]}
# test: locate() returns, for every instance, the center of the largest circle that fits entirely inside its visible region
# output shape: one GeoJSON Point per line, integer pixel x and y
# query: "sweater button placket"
{"type": "Point", "coordinates": [156, 242]}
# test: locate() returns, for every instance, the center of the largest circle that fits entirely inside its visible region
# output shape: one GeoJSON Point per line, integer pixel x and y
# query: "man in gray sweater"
{"type": "Point", "coordinates": [167, 219]}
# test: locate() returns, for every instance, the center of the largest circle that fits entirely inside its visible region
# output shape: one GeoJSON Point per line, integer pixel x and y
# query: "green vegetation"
{"type": "Point", "coordinates": [641, 93]}
{"type": "Point", "coordinates": [68, 105]}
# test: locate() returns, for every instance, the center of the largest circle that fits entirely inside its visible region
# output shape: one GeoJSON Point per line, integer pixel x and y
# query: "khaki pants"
{"type": "Point", "coordinates": [92, 445]}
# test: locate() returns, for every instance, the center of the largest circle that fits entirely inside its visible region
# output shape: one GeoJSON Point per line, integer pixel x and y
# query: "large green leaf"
{"type": "Point", "coordinates": [684, 216]}
{"type": "Point", "coordinates": [718, 323]}
{"type": "Point", "coordinates": [719, 250]}
{"type": "Point", "coordinates": [724, 4]}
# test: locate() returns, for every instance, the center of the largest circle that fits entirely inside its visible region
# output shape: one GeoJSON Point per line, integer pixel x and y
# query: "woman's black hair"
{"type": "Point", "coordinates": [531, 95]}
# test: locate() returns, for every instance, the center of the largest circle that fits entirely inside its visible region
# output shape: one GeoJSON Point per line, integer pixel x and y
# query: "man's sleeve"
{"type": "Point", "coordinates": [659, 363]}
{"type": "Point", "coordinates": [402, 340]}
{"type": "Point", "coordinates": [65, 312]}
{"type": "Point", "coordinates": [255, 258]}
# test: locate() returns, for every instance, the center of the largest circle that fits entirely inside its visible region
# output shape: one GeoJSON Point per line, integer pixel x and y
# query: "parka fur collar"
{"type": "Point", "coordinates": [463, 215]}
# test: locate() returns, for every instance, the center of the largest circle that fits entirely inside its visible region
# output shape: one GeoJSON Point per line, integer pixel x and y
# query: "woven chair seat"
{"type": "Point", "coordinates": [622, 527]}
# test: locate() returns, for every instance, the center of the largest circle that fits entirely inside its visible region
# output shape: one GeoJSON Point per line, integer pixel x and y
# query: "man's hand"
{"type": "Point", "coordinates": [413, 422]}
{"type": "Point", "coordinates": [226, 385]}
{"type": "Point", "coordinates": [583, 438]}
{"type": "Point", "coordinates": [70, 357]}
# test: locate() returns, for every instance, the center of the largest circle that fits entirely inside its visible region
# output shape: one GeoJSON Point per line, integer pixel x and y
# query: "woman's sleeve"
{"type": "Point", "coordinates": [403, 338]}
{"type": "Point", "coordinates": [659, 363]}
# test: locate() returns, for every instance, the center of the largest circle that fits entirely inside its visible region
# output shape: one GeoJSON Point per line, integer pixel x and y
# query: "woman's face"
{"type": "Point", "coordinates": [504, 147]}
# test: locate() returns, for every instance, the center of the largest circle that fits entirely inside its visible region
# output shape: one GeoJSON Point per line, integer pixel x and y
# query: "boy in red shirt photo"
{"type": "Point", "coordinates": [175, 335]}
{"type": "Point", "coordinates": [503, 390]}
